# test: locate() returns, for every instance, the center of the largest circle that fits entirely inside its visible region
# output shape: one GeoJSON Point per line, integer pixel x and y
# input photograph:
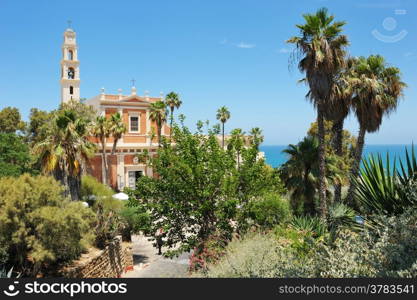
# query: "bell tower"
{"type": "Point", "coordinates": [70, 68]}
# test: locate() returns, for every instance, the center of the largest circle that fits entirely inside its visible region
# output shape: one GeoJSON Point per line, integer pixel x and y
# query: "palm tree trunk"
{"type": "Point", "coordinates": [338, 147]}
{"type": "Point", "coordinates": [172, 121]}
{"type": "Point", "coordinates": [104, 162]}
{"type": "Point", "coordinates": [309, 207]}
{"type": "Point", "coordinates": [113, 152]}
{"type": "Point", "coordinates": [159, 134]}
{"type": "Point", "coordinates": [222, 135]}
{"type": "Point", "coordinates": [74, 184]}
{"type": "Point", "coordinates": [322, 162]}
{"type": "Point", "coordinates": [356, 164]}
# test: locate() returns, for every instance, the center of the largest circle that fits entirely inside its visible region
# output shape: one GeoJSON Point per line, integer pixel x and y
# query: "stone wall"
{"type": "Point", "coordinates": [110, 262]}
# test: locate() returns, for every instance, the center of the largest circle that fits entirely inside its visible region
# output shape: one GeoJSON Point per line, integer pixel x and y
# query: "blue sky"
{"type": "Point", "coordinates": [212, 53]}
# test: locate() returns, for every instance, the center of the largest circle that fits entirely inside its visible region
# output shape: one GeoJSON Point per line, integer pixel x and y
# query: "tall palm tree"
{"type": "Point", "coordinates": [338, 110]}
{"type": "Point", "coordinates": [101, 130]}
{"type": "Point", "coordinates": [223, 115]}
{"type": "Point", "coordinates": [377, 89]}
{"type": "Point", "coordinates": [172, 100]}
{"type": "Point", "coordinates": [116, 129]}
{"type": "Point", "coordinates": [236, 143]}
{"type": "Point", "coordinates": [256, 137]}
{"type": "Point", "coordinates": [158, 114]}
{"type": "Point", "coordinates": [322, 46]}
{"type": "Point", "coordinates": [65, 149]}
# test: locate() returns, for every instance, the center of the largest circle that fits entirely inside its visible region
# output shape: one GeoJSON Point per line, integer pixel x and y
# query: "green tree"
{"type": "Point", "coordinates": [322, 47]}
{"type": "Point", "coordinates": [188, 199]}
{"type": "Point", "coordinates": [39, 120]}
{"type": "Point", "coordinates": [158, 114]}
{"type": "Point", "coordinates": [10, 120]}
{"type": "Point", "coordinates": [343, 155]}
{"type": "Point", "coordinates": [65, 149]}
{"type": "Point", "coordinates": [39, 225]}
{"type": "Point", "coordinates": [223, 115]}
{"type": "Point", "coordinates": [300, 174]}
{"type": "Point", "coordinates": [172, 100]}
{"type": "Point", "coordinates": [14, 155]}
{"type": "Point", "coordinates": [377, 88]}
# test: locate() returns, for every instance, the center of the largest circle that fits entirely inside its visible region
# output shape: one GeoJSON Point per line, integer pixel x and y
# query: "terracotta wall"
{"type": "Point", "coordinates": [94, 169]}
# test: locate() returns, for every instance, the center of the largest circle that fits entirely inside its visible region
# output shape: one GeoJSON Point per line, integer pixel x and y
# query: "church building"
{"type": "Point", "coordinates": [125, 167]}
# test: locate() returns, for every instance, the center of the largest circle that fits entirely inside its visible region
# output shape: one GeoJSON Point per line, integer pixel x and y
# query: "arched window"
{"type": "Point", "coordinates": [71, 73]}
{"type": "Point", "coordinates": [71, 90]}
{"type": "Point", "coordinates": [70, 55]}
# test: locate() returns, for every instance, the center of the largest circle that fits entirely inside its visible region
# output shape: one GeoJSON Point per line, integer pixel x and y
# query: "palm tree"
{"type": "Point", "coordinates": [322, 47]}
{"type": "Point", "coordinates": [377, 89]}
{"type": "Point", "coordinates": [173, 101]}
{"type": "Point", "coordinates": [158, 114]}
{"type": "Point", "coordinates": [101, 130]}
{"type": "Point", "coordinates": [65, 149]}
{"type": "Point", "coordinates": [223, 115]}
{"type": "Point", "coordinates": [236, 143]}
{"type": "Point", "coordinates": [256, 137]}
{"type": "Point", "coordinates": [116, 129]}
{"type": "Point", "coordinates": [338, 110]}
{"type": "Point", "coordinates": [300, 173]}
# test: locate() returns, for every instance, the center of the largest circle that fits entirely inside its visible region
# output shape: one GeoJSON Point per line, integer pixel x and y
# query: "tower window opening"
{"type": "Point", "coordinates": [71, 73]}
{"type": "Point", "coordinates": [71, 90]}
{"type": "Point", "coordinates": [70, 55]}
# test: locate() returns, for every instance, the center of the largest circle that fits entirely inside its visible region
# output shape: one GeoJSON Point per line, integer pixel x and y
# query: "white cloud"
{"type": "Point", "coordinates": [245, 45]}
{"type": "Point", "coordinates": [223, 41]}
{"type": "Point", "coordinates": [284, 50]}
{"type": "Point", "coordinates": [410, 55]}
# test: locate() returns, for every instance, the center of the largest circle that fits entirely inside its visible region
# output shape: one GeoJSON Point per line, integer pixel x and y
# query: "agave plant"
{"type": "Point", "coordinates": [380, 187]}
{"type": "Point", "coordinates": [310, 224]}
{"type": "Point", "coordinates": [7, 274]}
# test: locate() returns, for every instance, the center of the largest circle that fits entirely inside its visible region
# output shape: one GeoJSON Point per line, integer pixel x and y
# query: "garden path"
{"type": "Point", "coordinates": [147, 262]}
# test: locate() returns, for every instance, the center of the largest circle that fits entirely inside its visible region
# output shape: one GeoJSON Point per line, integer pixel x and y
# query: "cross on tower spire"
{"type": "Point", "coordinates": [69, 23]}
{"type": "Point", "coordinates": [133, 82]}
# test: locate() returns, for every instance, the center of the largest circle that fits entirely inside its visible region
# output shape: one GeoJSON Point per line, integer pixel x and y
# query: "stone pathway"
{"type": "Point", "coordinates": [147, 262]}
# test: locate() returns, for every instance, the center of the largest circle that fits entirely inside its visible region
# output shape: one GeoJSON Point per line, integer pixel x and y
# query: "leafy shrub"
{"type": "Point", "coordinates": [38, 225]}
{"type": "Point", "coordinates": [269, 210]}
{"type": "Point", "coordinates": [300, 241]}
{"type": "Point", "coordinates": [386, 250]}
{"type": "Point", "coordinates": [408, 190]}
{"type": "Point", "coordinates": [207, 253]}
{"type": "Point", "coordinates": [257, 256]}
{"type": "Point", "coordinates": [133, 219]}
{"type": "Point", "coordinates": [389, 250]}
{"type": "Point", "coordinates": [106, 227]}
{"type": "Point", "coordinates": [95, 193]}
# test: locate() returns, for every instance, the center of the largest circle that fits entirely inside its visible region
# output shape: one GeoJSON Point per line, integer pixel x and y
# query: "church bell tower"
{"type": "Point", "coordinates": [70, 68]}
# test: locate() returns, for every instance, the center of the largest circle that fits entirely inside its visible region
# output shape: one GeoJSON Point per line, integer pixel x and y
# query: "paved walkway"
{"type": "Point", "coordinates": [147, 262]}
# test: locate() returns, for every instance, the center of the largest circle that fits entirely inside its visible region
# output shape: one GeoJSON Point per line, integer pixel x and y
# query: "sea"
{"type": "Point", "coordinates": [275, 157]}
